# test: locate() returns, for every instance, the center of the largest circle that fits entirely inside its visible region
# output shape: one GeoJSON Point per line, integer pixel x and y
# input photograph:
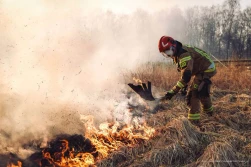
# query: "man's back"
{"type": "Point", "coordinates": [195, 59]}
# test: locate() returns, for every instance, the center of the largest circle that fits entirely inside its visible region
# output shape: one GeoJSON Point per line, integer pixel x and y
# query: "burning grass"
{"type": "Point", "coordinates": [221, 140]}
{"type": "Point", "coordinates": [167, 138]}
{"type": "Point", "coordinates": [82, 151]}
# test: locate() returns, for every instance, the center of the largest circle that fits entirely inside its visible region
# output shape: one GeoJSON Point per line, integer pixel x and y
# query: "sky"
{"type": "Point", "coordinates": [129, 6]}
{"type": "Point", "coordinates": [119, 6]}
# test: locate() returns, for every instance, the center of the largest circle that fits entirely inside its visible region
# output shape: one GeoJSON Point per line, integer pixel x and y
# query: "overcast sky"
{"type": "Point", "coordinates": [117, 6]}
{"type": "Point", "coordinates": [128, 6]}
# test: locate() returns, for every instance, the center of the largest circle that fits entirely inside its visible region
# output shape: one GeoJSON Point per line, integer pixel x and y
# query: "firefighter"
{"type": "Point", "coordinates": [194, 63]}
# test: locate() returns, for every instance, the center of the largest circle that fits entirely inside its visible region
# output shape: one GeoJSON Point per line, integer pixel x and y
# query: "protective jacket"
{"type": "Point", "coordinates": [191, 61]}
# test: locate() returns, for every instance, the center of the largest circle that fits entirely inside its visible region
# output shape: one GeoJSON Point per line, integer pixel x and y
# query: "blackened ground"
{"type": "Point", "coordinates": [63, 145]}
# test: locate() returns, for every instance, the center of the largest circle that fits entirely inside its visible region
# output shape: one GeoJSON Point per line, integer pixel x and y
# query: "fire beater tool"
{"type": "Point", "coordinates": [145, 91]}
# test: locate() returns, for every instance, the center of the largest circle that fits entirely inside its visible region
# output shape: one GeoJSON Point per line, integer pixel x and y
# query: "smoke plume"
{"type": "Point", "coordinates": [63, 59]}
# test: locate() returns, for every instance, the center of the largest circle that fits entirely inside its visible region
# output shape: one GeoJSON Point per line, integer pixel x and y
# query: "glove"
{"type": "Point", "coordinates": [169, 95]}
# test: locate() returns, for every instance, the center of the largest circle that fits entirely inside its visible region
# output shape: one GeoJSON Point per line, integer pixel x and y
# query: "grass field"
{"type": "Point", "coordinates": [221, 140]}
{"type": "Point", "coordinates": [165, 75]}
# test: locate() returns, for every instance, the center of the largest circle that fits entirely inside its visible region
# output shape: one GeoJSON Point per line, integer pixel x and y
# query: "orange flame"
{"type": "Point", "coordinates": [138, 81]}
{"type": "Point", "coordinates": [19, 164]}
{"type": "Point", "coordinates": [106, 139]}
{"type": "Point", "coordinates": [111, 136]}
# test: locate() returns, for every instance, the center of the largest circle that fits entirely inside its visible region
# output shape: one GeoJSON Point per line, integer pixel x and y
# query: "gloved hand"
{"type": "Point", "coordinates": [169, 95]}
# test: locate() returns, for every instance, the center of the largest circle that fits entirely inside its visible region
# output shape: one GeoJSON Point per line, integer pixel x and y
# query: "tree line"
{"type": "Point", "coordinates": [223, 30]}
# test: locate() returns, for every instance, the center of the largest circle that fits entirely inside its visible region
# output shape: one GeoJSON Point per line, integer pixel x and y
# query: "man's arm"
{"type": "Point", "coordinates": [186, 66]}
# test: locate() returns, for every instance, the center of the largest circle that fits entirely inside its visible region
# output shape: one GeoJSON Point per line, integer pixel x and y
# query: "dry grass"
{"type": "Point", "coordinates": [221, 140]}
{"type": "Point", "coordinates": [162, 75]}
{"type": "Point", "coordinates": [220, 154]}
{"type": "Point", "coordinates": [233, 78]}
{"type": "Point", "coordinates": [165, 75]}
{"type": "Point", "coordinates": [175, 144]}
{"type": "Point", "coordinates": [178, 143]}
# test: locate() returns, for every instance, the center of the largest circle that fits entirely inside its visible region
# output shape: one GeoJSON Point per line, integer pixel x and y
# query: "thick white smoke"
{"type": "Point", "coordinates": [61, 59]}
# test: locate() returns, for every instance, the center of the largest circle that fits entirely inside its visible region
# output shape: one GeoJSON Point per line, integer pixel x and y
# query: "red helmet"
{"type": "Point", "coordinates": [166, 43]}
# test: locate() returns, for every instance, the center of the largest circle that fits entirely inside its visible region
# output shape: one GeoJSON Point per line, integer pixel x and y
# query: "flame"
{"type": "Point", "coordinates": [106, 139]}
{"type": "Point", "coordinates": [111, 136]}
{"type": "Point", "coordinates": [19, 164]}
{"type": "Point", "coordinates": [138, 81]}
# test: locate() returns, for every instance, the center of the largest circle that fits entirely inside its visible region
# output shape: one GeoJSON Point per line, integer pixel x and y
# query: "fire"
{"type": "Point", "coordinates": [96, 145]}
{"type": "Point", "coordinates": [19, 164]}
{"type": "Point", "coordinates": [111, 136]}
{"type": "Point", "coordinates": [138, 81]}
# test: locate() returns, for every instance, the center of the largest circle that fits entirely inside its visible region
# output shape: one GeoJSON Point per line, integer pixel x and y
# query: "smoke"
{"type": "Point", "coordinates": [63, 59]}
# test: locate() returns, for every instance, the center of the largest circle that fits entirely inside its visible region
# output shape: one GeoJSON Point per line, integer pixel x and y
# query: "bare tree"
{"type": "Point", "coordinates": [246, 17]}
{"type": "Point", "coordinates": [223, 30]}
{"type": "Point", "coordinates": [192, 32]}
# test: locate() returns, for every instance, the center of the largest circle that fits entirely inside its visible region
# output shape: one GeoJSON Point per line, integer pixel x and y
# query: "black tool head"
{"type": "Point", "coordinates": [144, 91]}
